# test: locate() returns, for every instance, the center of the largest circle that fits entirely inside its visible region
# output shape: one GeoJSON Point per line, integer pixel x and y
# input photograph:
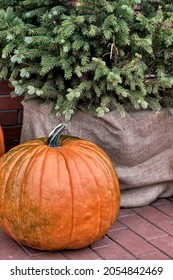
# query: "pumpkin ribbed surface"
{"type": "Point", "coordinates": [56, 198]}
{"type": "Point", "coordinates": [2, 146]}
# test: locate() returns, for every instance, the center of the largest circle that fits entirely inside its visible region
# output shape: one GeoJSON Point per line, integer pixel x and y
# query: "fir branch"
{"type": "Point", "coordinates": [104, 54]}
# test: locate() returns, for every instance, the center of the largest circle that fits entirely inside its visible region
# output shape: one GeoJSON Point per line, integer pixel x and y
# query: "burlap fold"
{"type": "Point", "coordinates": [139, 144]}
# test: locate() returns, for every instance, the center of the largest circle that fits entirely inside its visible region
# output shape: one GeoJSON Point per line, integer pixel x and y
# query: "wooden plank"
{"type": "Point", "coordinates": [5, 88]}
{"type": "Point", "coordinates": [7, 103]}
{"type": "Point", "coordinates": [9, 117]}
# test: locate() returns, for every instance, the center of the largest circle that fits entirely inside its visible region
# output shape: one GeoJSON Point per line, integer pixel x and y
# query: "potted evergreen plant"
{"type": "Point", "coordinates": [106, 68]}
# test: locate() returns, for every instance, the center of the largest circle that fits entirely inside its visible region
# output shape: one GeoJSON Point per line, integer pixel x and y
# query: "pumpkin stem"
{"type": "Point", "coordinates": [54, 136]}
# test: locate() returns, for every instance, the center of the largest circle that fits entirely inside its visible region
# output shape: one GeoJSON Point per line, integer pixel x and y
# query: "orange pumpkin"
{"type": "Point", "coordinates": [2, 146]}
{"type": "Point", "coordinates": [57, 192]}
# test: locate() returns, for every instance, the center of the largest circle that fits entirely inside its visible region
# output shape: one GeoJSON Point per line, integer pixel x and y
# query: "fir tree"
{"type": "Point", "coordinates": [103, 54]}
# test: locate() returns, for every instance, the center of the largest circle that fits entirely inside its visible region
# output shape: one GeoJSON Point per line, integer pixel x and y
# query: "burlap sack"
{"type": "Point", "coordinates": [140, 146]}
